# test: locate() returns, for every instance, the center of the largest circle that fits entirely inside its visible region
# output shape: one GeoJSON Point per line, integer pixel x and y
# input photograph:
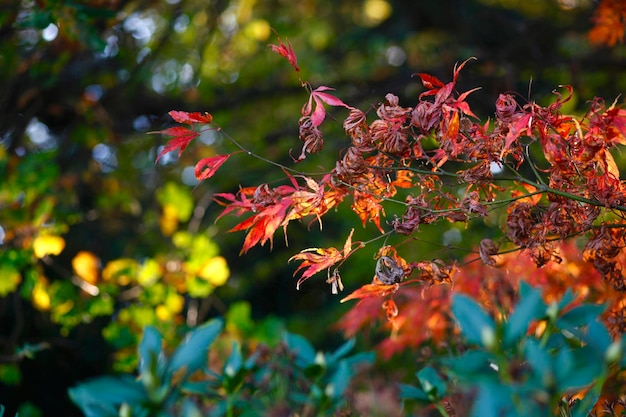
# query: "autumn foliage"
{"type": "Point", "coordinates": [548, 179]}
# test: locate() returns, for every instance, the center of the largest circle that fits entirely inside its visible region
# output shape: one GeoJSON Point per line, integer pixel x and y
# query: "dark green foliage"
{"type": "Point", "coordinates": [293, 377]}
{"type": "Point", "coordinates": [529, 363]}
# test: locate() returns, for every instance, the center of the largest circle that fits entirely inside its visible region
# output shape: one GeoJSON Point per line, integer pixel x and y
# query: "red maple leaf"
{"type": "Point", "coordinates": [181, 138]}
{"type": "Point", "coordinates": [287, 52]}
{"type": "Point", "coordinates": [262, 226]}
{"type": "Point", "coordinates": [319, 97]}
{"type": "Point", "coordinates": [315, 260]}
{"type": "Point", "coordinates": [207, 167]}
{"type": "Point", "coordinates": [516, 129]}
{"type": "Point", "coordinates": [372, 290]}
{"type": "Point", "coordinates": [190, 118]}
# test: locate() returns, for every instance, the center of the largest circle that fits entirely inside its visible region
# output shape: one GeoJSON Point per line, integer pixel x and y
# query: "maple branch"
{"type": "Point", "coordinates": [263, 159]}
{"type": "Point", "coordinates": [546, 189]}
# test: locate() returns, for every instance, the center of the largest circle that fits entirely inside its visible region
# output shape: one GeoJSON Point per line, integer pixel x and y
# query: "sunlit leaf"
{"type": "Point", "coordinates": [207, 167]}
{"type": "Point", "coordinates": [315, 260]}
{"type": "Point", "coordinates": [371, 290]}
{"type": "Point", "coordinates": [190, 118]}
{"type": "Point", "coordinates": [86, 266]}
{"type": "Point", "coordinates": [48, 245]}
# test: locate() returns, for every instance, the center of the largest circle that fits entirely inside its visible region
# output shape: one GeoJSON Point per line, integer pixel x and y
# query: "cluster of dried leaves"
{"type": "Point", "coordinates": [553, 174]}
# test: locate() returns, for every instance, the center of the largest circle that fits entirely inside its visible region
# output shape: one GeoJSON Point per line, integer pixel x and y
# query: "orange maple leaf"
{"type": "Point", "coordinates": [315, 260]}
{"type": "Point", "coordinates": [368, 207]}
{"type": "Point", "coordinates": [609, 23]}
{"type": "Point", "coordinates": [376, 289]}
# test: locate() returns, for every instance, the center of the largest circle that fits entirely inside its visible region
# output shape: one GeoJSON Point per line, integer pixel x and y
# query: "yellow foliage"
{"type": "Point", "coordinates": [40, 296]}
{"type": "Point", "coordinates": [9, 279]}
{"type": "Point", "coordinates": [48, 245]}
{"type": "Point", "coordinates": [174, 302]}
{"type": "Point", "coordinates": [169, 219]}
{"type": "Point", "coordinates": [149, 272]}
{"type": "Point", "coordinates": [163, 313]}
{"type": "Point", "coordinates": [122, 270]}
{"type": "Point", "coordinates": [215, 271]}
{"type": "Point", "coordinates": [258, 29]}
{"type": "Point", "coordinates": [61, 309]}
{"type": "Point", "coordinates": [376, 11]}
{"type": "Point", "coordinates": [86, 266]}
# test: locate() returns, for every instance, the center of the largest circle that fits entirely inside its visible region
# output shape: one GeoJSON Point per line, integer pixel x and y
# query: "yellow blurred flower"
{"type": "Point", "coordinates": [215, 271]}
{"type": "Point", "coordinates": [86, 266]}
{"type": "Point", "coordinates": [48, 245]}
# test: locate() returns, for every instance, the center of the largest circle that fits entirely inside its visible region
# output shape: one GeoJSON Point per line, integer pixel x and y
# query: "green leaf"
{"type": "Point", "coordinates": [339, 381]}
{"type": "Point", "coordinates": [580, 316]}
{"type": "Point", "coordinates": [341, 351]}
{"type": "Point", "coordinates": [470, 365]}
{"type": "Point", "coordinates": [305, 353]}
{"type": "Point", "coordinates": [178, 196]}
{"type": "Point", "coordinates": [530, 307]}
{"type": "Point", "coordinates": [189, 409]}
{"type": "Point", "coordinates": [191, 354]}
{"type": "Point", "coordinates": [431, 382]}
{"type": "Point", "coordinates": [577, 368]}
{"type": "Point", "coordinates": [360, 359]}
{"type": "Point", "coordinates": [234, 361]}
{"type": "Point", "coordinates": [410, 392]}
{"type": "Point", "coordinates": [101, 397]}
{"type": "Point", "coordinates": [150, 352]}
{"type": "Point", "coordinates": [540, 361]}
{"type": "Point", "coordinates": [493, 400]}
{"type": "Point", "coordinates": [477, 326]}
{"type": "Point", "coordinates": [598, 338]}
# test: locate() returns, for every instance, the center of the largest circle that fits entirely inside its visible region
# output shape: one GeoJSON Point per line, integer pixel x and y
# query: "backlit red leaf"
{"type": "Point", "coordinates": [521, 125]}
{"type": "Point", "coordinates": [315, 260]}
{"type": "Point", "coordinates": [319, 97]}
{"type": "Point", "coordinates": [190, 118]}
{"type": "Point", "coordinates": [371, 290]}
{"type": "Point", "coordinates": [286, 51]}
{"type": "Point", "coordinates": [207, 167]}
{"type": "Point", "coordinates": [181, 138]}
{"type": "Point", "coordinates": [430, 81]}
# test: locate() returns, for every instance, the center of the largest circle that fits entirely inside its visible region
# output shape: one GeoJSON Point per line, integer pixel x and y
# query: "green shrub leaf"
{"type": "Point", "coordinates": [475, 323]}
{"type": "Point", "coordinates": [191, 354]}
{"type": "Point", "coordinates": [529, 308]}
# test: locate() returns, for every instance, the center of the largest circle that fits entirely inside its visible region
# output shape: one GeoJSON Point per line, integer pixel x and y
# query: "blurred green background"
{"type": "Point", "coordinates": [96, 240]}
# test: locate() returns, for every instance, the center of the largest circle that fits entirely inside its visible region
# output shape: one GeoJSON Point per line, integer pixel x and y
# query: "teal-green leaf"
{"type": "Point", "coordinates": [234, 362]}
{"type": "Point", "coordinates": [305, 353]}
{"type": "Point", "coordinates": [431, 382]}
{"type": "Point", "coordinates": [540, 361]}
{"type": "Point", "coordinates": [530, 307]}
{"type": "Point", "coordinates": [410, 392]}
{"type": "Point", "coordinates": [580, 316]}
{"type": "Point", "coordinates": [191, 354]}
{"type": "Point", "coordinates": [475, 323]}
{"type": "Point", "coordinates": [150, 351]}
{"type": "Point", "coordinates": [470, 365]}
{"type": "Point", "coordinates": [341, 351]}
{"type": "Point", "coordinates": [339, 381]}
{"type": "Point", "coordinates": [101, 397]}
{"type": "Point", "coordinates": [493, 400]}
